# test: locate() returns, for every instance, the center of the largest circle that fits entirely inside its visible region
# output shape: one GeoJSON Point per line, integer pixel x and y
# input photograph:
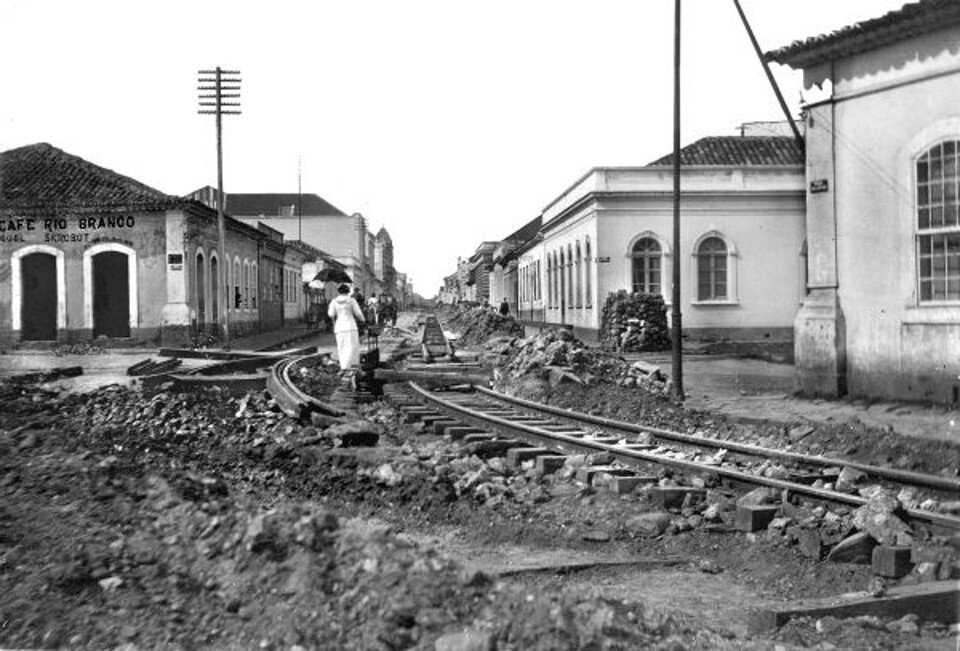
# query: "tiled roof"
{"type": "Point", "coordinates": [41, 176]}
{"type": "Point", "coordinates": [270, 204]}
{"type": "Point", "coordinates": [526, 231]}
{"type": "Point", "coordinates": [738, 151]}
{"type": "Point", "coordinates": [910, 20]}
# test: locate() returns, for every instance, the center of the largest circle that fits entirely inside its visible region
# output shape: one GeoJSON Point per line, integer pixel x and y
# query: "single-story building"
{"type": "Point", "coordinates": [742, 240]}
{"type": "Point", "coordinates": [87, 253]}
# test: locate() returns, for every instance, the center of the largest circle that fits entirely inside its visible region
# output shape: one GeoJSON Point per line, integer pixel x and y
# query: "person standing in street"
{"type": "Point", "coordinates": [347, 316]}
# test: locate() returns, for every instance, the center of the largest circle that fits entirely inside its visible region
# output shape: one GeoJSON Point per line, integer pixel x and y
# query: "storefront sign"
{"type": "Point", "coordinates": [59, 230]}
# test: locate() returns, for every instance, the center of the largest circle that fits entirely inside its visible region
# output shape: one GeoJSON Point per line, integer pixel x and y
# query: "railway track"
{"type": "Point", "coordinates": [534, 430]}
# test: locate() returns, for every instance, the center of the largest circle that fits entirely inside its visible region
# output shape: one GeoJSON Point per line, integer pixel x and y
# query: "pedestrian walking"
{"type": "Point", "coordinates": [347, 316]}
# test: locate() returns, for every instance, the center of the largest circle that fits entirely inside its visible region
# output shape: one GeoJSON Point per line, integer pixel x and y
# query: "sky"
{"type": "Point", "coordinates": [449, 122]}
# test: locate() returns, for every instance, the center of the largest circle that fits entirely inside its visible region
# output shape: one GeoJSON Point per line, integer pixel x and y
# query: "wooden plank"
{"type": "Point", "coordinates": [936, 601]}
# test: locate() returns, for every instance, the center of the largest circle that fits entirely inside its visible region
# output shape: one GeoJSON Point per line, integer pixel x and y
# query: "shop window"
{"type": "Point", "coordinates": [647, 266]}
{"type": "Point", "coordinates": [938, 223]}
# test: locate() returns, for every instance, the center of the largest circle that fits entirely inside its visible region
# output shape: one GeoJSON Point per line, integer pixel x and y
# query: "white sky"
{"type": "Point", "coordinates": [447, 121]}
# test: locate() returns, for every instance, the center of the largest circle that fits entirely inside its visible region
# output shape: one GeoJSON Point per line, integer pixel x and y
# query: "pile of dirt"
{"type": "Point", "coordinates": [555, 356]}
{"type": "Point", "coordinates": [634, 322]}
{"type": "Point", "coordinates": [475, 325]}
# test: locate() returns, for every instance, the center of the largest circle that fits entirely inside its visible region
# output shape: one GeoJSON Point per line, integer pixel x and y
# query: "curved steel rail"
{"type": "Point", "coordinates": [292, 400]}
{"type": "Point", "coordinates": [906, 476]}
{"type": "Point", "coordinates": [633, 456]}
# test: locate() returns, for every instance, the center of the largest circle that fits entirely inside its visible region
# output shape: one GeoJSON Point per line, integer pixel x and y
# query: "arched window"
{"type": "Point", "coordinates": [255, 286]}
{"type": "Point", "coordinates": [647, 259]}
{"type": "Point", "coordinates": [237, 297]}
{"type": "Point", "coordinates": [549, 281]}
{"type": "Point", "coordinates": [200, 289]}
{"type": "Point", "coordinates": [556, 281]}
{"type": "Point", "coordinates": [588, 257]}
{"type": "Point", "coordinates": [578, 271]}
{"type": "Point", "coordinates": [246, 284]}
{"type": "Point", "coordinates": [938, 222]}
{"type": "Point", "coordinates": [570, 289]}
{"type": "Point", "coordinates": [712, 270]}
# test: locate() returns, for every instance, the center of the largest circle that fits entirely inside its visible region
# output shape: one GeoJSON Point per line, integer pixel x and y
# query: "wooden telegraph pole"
{"type": "Point", "coordinates": [676, 329]}
{"type": "Point", "coordinates": [226, 85]}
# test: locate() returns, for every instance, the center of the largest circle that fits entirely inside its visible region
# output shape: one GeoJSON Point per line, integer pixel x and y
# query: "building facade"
{"type": "Point", "coordinates": [882, 316]}
{"type": "Point", "coordinates": [742, 240]}
{"type": "Point", "coordinates": [89, 254]}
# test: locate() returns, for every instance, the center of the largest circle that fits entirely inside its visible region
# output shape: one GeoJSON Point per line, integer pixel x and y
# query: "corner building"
{"type": "Point", "coordinates": [89, 254]}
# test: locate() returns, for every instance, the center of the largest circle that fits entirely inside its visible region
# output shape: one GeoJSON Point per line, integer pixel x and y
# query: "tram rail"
{"type": "Point", "coordinates": [542, 426]}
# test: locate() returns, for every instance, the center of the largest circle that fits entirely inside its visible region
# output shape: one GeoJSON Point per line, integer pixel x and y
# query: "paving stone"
{"type": "Point", "coordinates": [754, 517]}
{"type": "Point", "coordinates": [458, 432]}
{"type": "Point", "coordinates": [626, 485]}
{"type": "Point", "coordinates": [440, 426]}
{"type": "Point", "coordinates": [891, 561]}
{"type": "Point", "coordinates": [549, 464]}
{"type": "Point", "coordinates": [673, 497]}
{"type": "Point", "coordinates": [587, 473]}
{"type": "Point", "coordinates": [492, 448]}
{"type": "Point", "coordinates": [516, 456]}
{"type": "Point", "coordinates": [414, 416]}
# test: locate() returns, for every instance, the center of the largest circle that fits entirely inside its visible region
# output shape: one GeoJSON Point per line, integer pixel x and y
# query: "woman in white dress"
{"type": "Point", "coordinates": [346, 314]}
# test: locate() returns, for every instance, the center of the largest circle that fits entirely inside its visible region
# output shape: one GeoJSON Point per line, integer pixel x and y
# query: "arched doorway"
{"type": "Point", "coordinates": [200, 293]}
{"type": "Point", "coordinates": [38, 307]}
{"type": "Point", "coordinates": [111, 294]}
{"type": "Point", "coordinates": [214, 291]}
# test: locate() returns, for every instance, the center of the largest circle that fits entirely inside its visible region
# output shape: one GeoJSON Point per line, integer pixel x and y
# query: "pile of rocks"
{"type": "Point", "coordinates": [556, 355]}
{"type": "Point", "coordinates": [475, 325]}
{"type": "Point", "coordinates": [634, 322]}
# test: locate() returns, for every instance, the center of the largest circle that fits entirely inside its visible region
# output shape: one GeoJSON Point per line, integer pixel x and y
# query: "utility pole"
{"type": "Point", "coordinates": [676, 330]}
{"type": "Point", "coordinates": [299, 204]}
{"type": "Point", "coordinates": [226, 85]}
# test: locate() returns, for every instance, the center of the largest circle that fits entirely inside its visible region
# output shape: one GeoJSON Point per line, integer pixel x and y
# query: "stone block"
{"type": "Point", "coordinates": [492, 448]}
{"type": "Point", "coordinates": [516, 456]}
{"type": "Point", "coordinates": [458, 432]}
{"type": "Point", "coordinates": [891, 561]}
{"type": "Point", "coordinates": [754, 517]}
{"type": "Point", "coordinates": [440, 426]}
{"type": "Point", "coordinates": [673, 497]}
{"type": "Point", "coordinates": [586, 474]}
{"type": "Point", "coordinates": [626, 485]}
{"type": "Point", "coordinates": [414, 415]}
{"type": "Point", "coordinates": [549, 464]}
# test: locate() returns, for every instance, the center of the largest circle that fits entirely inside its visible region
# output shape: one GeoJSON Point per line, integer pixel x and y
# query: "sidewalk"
{"type": "Point", "coordinates": [109, 366]}
{"type": "Point", "coordinates": [751, 389]}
